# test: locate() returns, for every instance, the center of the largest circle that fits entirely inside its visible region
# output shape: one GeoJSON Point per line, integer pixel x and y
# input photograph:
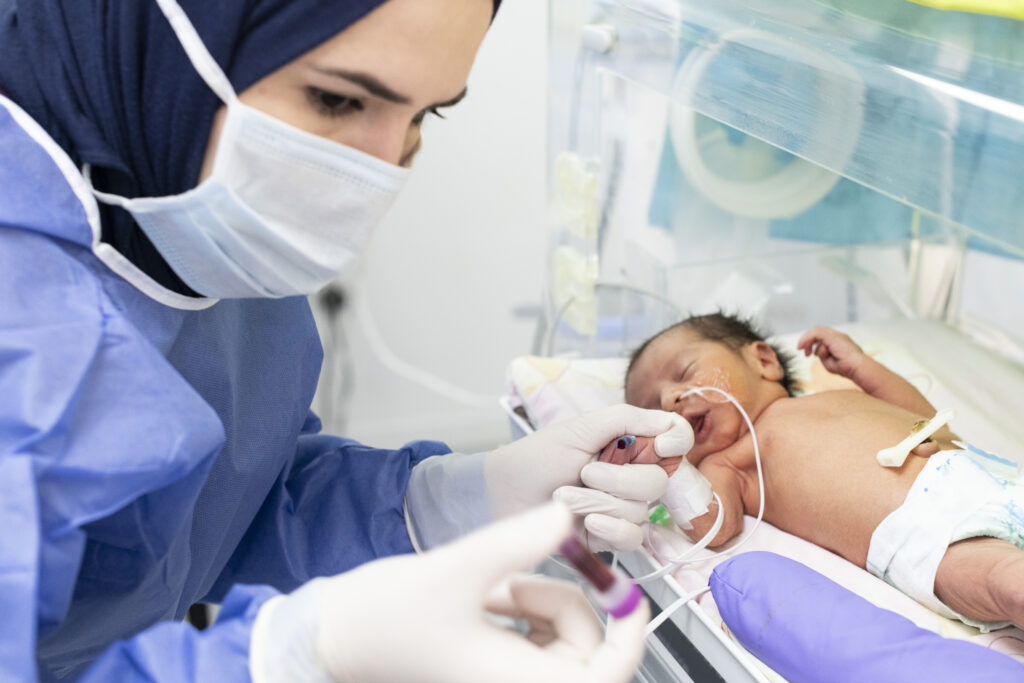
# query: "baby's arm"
{"type": "Point", "coordinates": [842, 356]}
{"type": "Point", "coordinates": [725, 482]}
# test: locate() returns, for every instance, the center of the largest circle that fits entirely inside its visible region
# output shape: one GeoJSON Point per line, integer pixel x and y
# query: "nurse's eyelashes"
{"type": "Point", "coordinates": [335, 104]}
{"type": "Point", "coordinates": [418, 119]}
{"type": "Point", "coordinates": [332, 104]}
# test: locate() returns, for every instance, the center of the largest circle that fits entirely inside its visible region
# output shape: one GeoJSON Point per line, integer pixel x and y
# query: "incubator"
{"type": "Point", "coordinates": [849, 163]}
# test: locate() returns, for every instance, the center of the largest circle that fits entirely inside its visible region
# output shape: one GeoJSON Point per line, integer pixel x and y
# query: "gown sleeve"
{"type": "Point", "coordinates": [337, 505]}
{"type": "Point", "coordinates": [81, 437]}
{"type": "Point", "coordinates": [175, 651]}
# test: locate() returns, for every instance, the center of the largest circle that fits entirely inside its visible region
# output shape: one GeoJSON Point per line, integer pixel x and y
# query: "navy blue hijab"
{"type": "Point", "coordinates": [112, 85]}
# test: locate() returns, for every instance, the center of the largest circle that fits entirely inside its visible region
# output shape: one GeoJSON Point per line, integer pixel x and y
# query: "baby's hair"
{"type": "Point", "coordinates": [731, 330]}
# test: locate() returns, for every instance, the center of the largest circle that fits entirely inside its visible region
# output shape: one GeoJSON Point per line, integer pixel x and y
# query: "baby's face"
{"type": "Point", "coordinates": [681, 360]}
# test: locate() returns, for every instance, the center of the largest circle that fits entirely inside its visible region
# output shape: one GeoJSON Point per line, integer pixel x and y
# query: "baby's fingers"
{"type": "Point", "coordinates": [814, 340]}
{"type": "Point", "coordinates": [807, 341]}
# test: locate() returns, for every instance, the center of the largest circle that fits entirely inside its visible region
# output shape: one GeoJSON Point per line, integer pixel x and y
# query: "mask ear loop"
{"type": "Point", "coordinates": [201, 59]}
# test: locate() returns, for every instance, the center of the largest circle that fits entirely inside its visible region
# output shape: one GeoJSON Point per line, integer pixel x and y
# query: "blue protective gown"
{"type": "Point", "coordinates": [152, 457]}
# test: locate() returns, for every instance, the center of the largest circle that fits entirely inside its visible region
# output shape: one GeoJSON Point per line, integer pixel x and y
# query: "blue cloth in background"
{"type": "Point", "coordinates": [929, 136]}
{"type": "Point", "coordinates": [808, 628]}
{"type": "Point", "coordinates": [848, 214]}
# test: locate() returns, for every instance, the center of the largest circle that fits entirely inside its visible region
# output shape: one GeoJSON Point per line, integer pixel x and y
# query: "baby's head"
{"type": "Point", "coordinates": [717, 350]}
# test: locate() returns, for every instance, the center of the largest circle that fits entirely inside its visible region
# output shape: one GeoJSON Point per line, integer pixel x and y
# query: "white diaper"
{"type": "Point", "coordinates": [958, 495]}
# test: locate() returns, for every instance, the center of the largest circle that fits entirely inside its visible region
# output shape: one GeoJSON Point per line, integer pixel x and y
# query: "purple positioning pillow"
{"type": "Point", "coordinates": [808, 628]}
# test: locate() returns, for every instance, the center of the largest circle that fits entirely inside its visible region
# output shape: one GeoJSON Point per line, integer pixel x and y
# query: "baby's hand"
{"type": "Point", "coordinates": [838, 353]}
{"type": "Point", "coordinates": [637, 450]}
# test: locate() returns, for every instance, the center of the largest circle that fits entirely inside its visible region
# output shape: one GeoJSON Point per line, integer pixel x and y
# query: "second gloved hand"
{"type": "Point", "coordinates": [613, 499]}
{"type": "Point", "coordinates": [425, 618]}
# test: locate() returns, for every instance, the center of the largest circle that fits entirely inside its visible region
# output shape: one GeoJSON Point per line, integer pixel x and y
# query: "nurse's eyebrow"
{"type": "Point", "coordinates": [368, 81]}
{"type": "Point", "coordinates": [373, 86]}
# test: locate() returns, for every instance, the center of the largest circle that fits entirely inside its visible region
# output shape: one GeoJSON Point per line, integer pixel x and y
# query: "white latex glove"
{"type": "Point", "coordinates": [555, 460]}
{"type": "Point", "coordinates": [425, 618]}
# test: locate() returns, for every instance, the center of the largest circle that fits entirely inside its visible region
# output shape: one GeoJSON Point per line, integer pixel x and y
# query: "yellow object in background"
{"type": "Point", "coordinates": [1004, 8]}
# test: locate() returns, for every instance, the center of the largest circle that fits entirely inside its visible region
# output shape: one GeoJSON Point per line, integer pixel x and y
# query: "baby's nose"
{"type": "Point", "coordinates": [674, 397]}
{"type": "Point", "coordinates": [671, 397]}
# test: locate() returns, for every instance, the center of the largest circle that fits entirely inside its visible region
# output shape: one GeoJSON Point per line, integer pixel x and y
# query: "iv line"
{"type": "Point", "coordinates": [667, 612]}
{"type": "Point", "coordinates": [408, 371]}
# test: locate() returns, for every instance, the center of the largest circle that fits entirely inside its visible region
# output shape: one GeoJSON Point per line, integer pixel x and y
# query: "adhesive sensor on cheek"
{"type": "Point", "coordinates": [615, 592]}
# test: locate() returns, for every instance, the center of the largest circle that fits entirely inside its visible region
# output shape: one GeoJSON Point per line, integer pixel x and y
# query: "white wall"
{"type": "Point", "coordinates": [462, 248]}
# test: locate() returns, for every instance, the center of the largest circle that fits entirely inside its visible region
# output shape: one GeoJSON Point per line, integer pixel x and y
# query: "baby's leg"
{"type": "Point", "coordinates": [983, 579]}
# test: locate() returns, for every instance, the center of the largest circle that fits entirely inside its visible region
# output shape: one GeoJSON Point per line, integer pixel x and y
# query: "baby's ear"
{"type": "Point", "coordinates": [768, 362]}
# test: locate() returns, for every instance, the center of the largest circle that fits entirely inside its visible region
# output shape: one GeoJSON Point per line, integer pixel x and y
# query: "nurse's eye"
{"type": "Point", "coordinates": [418, 119]}
{"type": "Point", "coordinates": [330, 103]}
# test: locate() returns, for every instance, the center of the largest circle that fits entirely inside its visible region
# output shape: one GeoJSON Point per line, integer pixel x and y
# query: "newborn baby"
{"type": "Point", "coordinates": [947, 527]}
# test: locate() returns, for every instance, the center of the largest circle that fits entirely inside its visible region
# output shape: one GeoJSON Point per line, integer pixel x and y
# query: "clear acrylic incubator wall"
{"type": "Point", "coordinates": [802, 161]}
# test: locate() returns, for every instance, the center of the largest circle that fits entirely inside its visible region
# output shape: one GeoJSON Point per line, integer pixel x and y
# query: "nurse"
{"type": "Point", "coordinates": [173, 178]}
